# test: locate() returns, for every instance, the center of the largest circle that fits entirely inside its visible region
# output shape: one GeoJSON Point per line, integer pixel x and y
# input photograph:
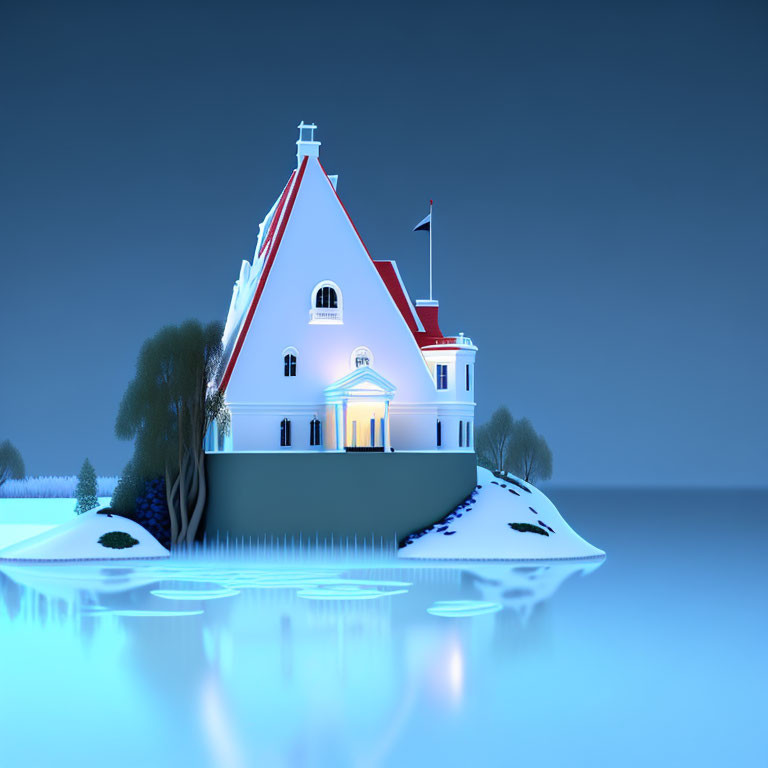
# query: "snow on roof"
{"type": "Point", "coordinates": [250, 271]}
{"type": "Point", "coordinates": [270, 248]}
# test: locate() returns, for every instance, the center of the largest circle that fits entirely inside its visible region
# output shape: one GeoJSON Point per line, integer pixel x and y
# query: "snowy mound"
{"type": "Point", "coordinates": [503, 519]}
{"type": "Point", "coordinates": [89, 536]}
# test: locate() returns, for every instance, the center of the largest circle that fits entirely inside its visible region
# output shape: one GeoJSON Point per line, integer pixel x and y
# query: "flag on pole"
{"type": "Point", "coordinates": [424, 224]}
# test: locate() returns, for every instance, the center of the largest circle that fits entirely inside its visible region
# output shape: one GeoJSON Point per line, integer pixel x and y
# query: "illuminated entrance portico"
{"type": "Point", "coordinates": [358, 406]}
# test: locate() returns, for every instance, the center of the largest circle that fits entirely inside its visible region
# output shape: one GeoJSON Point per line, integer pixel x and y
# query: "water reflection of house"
{"type": "Point", "coordinates": [266, 671]}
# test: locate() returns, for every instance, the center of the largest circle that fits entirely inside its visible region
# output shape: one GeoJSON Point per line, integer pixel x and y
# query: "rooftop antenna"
{"type": "Point", "coordinates": [306, 146]}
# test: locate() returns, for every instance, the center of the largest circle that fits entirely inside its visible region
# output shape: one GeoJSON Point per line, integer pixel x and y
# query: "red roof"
{"type": "Point", "coordinates": [391, 276]}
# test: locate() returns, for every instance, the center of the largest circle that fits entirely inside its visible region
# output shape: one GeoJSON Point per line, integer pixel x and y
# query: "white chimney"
{"type": "Point", "coordinates": [306, 146]}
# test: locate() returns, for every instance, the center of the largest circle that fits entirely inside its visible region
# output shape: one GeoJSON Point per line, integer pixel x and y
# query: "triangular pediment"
{"type": "Point", "coordinates": [362, 382]}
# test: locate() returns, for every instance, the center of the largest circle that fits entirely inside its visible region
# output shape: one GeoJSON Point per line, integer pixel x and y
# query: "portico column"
{"type": "Point", "coordinates": [344, 426]}
{"type": "Point", "coordinates": [386, 426]}
{"type": "Point", "coordinates": [339, 420]}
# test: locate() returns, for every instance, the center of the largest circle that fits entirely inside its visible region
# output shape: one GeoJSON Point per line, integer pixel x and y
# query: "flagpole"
{"type": "Point", "coordinates": [430, 250]}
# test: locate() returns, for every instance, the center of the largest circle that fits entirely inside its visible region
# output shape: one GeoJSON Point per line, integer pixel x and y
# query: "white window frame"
{"type": "Point", "coordinates": [290, 351]}
{"type": "Point", "coordinates": [322, 315]}
{"type": "Point", "coordinates": [438, 367]}
{"type": "Point", "coordinates": [361, 351]}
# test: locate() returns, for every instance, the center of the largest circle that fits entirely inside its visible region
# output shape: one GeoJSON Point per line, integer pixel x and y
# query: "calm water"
{"type": "Point", "coordinates": [657, 656]}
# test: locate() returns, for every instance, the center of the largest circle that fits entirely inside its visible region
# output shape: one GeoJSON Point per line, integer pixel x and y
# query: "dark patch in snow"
{"type": "Point", "coordinates": [541, 522]}
{"type": "Point", "coordinates": [517, 593]}
{"type": "Point", "coordinates": [117, 540]}
{"type": "Point", "coordinates": [533, 510]}
{"type": "Point", "coordinates": [449, 533]}
{"type": "Point", "coordinates": [527, 528]}
{"type": "Point", "coordinates": [512, 480]}
{"type": "Point", "coordinates": [511, 491]}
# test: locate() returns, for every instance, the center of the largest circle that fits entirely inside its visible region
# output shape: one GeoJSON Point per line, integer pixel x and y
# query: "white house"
{"type": "Point", "coordinates": [324, 349]}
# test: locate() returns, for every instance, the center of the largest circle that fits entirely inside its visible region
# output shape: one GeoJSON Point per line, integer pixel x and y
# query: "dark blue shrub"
{"type": "Point", "coordinates": [151, 511]}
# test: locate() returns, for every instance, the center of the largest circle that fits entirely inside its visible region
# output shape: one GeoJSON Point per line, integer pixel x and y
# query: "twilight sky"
{"type": "Point", "coordinates": [599, 171]}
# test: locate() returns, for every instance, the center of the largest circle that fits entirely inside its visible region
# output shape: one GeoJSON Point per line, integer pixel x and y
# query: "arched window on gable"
{"type": "Point", "coordinates": [327, 298]}
{"type": "Point", "coordinates": [289, 361]}
{"type": "Point", "coordinates": [326, 304]}
{"type": "Point", "coordinates": [361, 356]}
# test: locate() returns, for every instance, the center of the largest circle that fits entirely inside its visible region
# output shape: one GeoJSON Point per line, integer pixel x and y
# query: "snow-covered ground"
{"type": "Point", "coordinates": [78, 539]}
{"type": "Point", "coordinates": [22, 518]}
{"type": "Point", "coordinates": [52, 487]}
{"type": "Point", "coordinates": [480, 528]}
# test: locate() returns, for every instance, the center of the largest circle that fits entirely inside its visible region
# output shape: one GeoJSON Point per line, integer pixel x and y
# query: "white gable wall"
{"type": "Point", "coordinates": [320, 244]}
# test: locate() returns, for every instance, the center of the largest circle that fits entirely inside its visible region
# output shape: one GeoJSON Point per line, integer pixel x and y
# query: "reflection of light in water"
{"type": "Point", "coordinates": [453, 609]}
{"type": "Point", "coordinates": [194, 594]}
{"type": "Point", "coordinates": [445, 666]}
{"type": "Point", "coordinates": [224, 748]}
{"type": "Point", "coordinates": [456, 672]}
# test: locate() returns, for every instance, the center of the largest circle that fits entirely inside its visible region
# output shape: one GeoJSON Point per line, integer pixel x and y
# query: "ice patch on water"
{"type": "Point", "coordinates": [194, 594]}
{"type": "Point", "coordinates": [454, 609]}
{"type": "Point", "coordinates": [347, 592]}
{"type": "Point", "coordinates": [135, 613]}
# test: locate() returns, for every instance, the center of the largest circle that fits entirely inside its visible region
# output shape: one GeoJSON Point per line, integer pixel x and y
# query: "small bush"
{"type": "Point", "coordinates": [527, 528]}
{"type": "Point", "coordinates": [118, 540]}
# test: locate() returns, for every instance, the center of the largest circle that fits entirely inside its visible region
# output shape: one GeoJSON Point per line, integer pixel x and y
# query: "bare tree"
{"type": "Point", "coordinates": [493, 438]}
{"type": "Point", "coordinates": [528, 456]}
{"type": "Point", "coordinates": [11, 463]}
{"type": "Point", "coordinates": [167, 409]}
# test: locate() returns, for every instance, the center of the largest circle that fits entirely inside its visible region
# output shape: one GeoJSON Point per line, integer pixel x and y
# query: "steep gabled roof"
{"type": "Point", "coordinates": [269, 250]}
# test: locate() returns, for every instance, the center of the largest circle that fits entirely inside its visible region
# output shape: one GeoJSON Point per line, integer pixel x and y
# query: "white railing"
{"type": "Point", "coordinates": [455, 341]}
{"type": "Point", "coordinates": [321, 315]}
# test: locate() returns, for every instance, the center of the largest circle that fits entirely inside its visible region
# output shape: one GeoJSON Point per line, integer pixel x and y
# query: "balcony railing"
{"type": "Point", "coordinates": [455, 341]}
{"type": "Point", "coordinates": [322, 315]}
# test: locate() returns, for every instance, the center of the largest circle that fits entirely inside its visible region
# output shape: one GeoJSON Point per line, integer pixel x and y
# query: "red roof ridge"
{"type": "Point", "coordinates": [390, 276]}
{"type": "Point", "coordinates": [344, 208]}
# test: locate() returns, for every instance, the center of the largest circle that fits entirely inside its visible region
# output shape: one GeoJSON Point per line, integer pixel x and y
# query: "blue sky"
{"type": "Point", "coordinates": [600, 176]}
